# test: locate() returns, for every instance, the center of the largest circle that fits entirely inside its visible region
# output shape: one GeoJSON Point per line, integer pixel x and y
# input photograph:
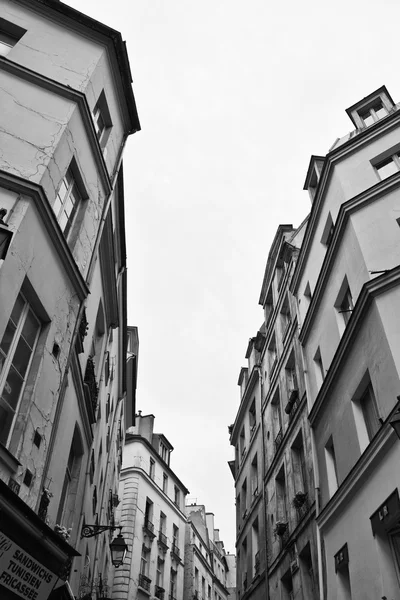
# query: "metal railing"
{"type": "Point", "coordinates": [144, 582]}
{"type": "Point", "coordinates": [159, 592]}
{"type": "Point", "coordinates": [149, 525]}
{"type": "Point", "coordinates": [175, 550]}
{"type": "Point", "coordinates": [162, 538]}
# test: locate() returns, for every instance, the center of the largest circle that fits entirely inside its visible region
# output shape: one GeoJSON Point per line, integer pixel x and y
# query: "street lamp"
{"type": "Point", "coordinates": [118, 546]}
{"type": "Point", "coordinates": [118, 549]}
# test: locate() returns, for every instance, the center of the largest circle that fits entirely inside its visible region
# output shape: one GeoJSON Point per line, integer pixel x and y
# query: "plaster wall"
{"type": "Point", "coordinates": [369, 352]}
{"type": "Point", "coordinates": [371, 563]}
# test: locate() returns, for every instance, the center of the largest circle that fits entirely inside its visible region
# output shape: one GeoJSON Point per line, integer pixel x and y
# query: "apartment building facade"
{"type": "Point", "coordinates": [289, 490]}
{"type": "Point", "coordinates": [152, 514]}
{"type": "Point", "coordinates": [67, 110]}
{"type": "Point", "coordinates": [348, 265]}
{"type": "Point", "coordinates": [207, 570]}
{"type": "Point", "coordinates": [247, 470]}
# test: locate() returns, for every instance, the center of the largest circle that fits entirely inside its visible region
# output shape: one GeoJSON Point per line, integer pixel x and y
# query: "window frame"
{"type": "Point", "coordinates": [11, 353]}
{"type": "Point", "coordinates": [11, 32]}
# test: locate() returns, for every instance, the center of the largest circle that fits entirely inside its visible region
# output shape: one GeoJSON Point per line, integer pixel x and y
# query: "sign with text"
{"type": "Point", "coordinates": [22, 574]}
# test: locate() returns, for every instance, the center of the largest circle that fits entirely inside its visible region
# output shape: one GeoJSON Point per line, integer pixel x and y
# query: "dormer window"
{"type": "Point", "coordinates": [373, 113]}
{"type": "Point", "coordinates": [371, 109]}
{"type": "Point", "coordinates": [313, 175]}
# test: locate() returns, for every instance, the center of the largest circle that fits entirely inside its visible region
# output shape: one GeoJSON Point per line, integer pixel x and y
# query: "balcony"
{"type": "Point", "coordinates": [278, 439]}
{"type": "Point", "coordinates": [149, 528]}
{"type": "Point", "coordinates": [144, 582]}
{"type": "Point", "coordinates": [162, 540]}
{"type": "Point", "coordinates": [159, 592]}
{"type": "Point", "coordinates": [175, 550]}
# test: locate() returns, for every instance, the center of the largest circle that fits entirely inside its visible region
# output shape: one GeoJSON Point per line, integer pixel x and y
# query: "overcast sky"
{"type": "Point", "coordinates": [233, 98]}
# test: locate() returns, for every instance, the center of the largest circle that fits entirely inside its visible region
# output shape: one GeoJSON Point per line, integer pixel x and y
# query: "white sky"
{"type": "Point", "coordinates": [233, 98]}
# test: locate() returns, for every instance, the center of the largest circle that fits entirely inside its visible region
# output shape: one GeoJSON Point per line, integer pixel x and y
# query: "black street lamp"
{"type": "Point", "coordinates": [118, 546]}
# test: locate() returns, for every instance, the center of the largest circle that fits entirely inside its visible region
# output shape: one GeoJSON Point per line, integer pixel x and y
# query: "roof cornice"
{"type": "Point", "coordinates": [370, 290]}
{"type": "Point", "coordinates": [346, 210]}
{"type": "Point", "coordinates": [94, 28]}
{"type": "Point", "coordinates": [36, 193]}
{"type": "Point", "coordinates": [362, 138]}
{"type": "Point", "coordinates": [133, 437]}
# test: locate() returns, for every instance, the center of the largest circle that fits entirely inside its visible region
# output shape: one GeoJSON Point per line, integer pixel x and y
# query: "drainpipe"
{"type": "Point", "coordinates": [261, 382]}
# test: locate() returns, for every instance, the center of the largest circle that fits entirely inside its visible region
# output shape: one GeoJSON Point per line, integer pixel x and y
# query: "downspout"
{"type": "Point", "coordinates": [261, 381]}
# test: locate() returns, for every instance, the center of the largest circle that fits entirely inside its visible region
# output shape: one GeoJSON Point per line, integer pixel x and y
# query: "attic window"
{"type": "Point", "coordinates": [328, 231]}
{"type": "Point", "coordinates": [373, 113]}
{"type": "Point", "coordinates": [10, 34]}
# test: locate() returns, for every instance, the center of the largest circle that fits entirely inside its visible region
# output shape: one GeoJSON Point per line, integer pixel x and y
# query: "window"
{"type": "Point", "coordinates": [144, 561]}
{"type": "Point", "coordinates": [175, 536]}
{"type": "Point", "coordinates": [328, 231]}
{"type": "Point", "coordinates": [163, 522]}
{"type": "Point", "coordinates": [268, 307]}
{"type": "Point", "coordinates": [172, 585]}
{"type": "Point", "coordinates": [67, 202]}
{"type": "Point", "coordinates": [177, 496]}
{"type": "Point", "coordinates": [287, 586]}
{"type": "Point", "coordinates": [286, 318]}
{"type": "Point", "coordinates": [280, 486]}
{"type": "Point", "coordinates": [272, 356]}
{"type": "Point", "coordinates": [276, 416]}
{"type": "Point", "coordinates": [209, 592]}
{"type": "Point", "coordinates": [344, 303]}
{"type": "Point", "coordinates": [299, 464]}
{"type": "Point", "coordinates": [148, 515]}
{"type": "Point", "coordinates": [151, 469]}
{"type": "Point", "coordinates": [319, 368]}
{"type": "Point", "coordinates": [10, 34]}
{"type": "Point", "coordinates": [102, 120]}
{"type": "Point", "coordinates": [373, 113]}
{"type": "Point", "coordinates": [254, 476]}
{"type": "Point", "coordinates": [255, 548]}
{"type": "Point", "coordinates": [244, 498]}
{"type": "Point", "coordinates": [66, 507]}
{"type": "Point", "coordinates": [165, 483]}
{"type": "Point", "coordinates": [252, 416]}
{"type": "Point", "coordinates": [370, 411]}
{"type": "Point", "coordinates": [16, 352]}
{"type": "Point", "coordinates": [164, 452]}
{"type": "Point", "coordinates": [203, 588]}
{"type": "Point", "coordinates": [242, 443]}
{"type": "Point", "coordinates": [389, 166]}
{"type": "Point", "coordinates": [331, 469]}
{"type": "Point", "coordinates": [160, 573]}
{"type": "Point", "coordinates": [342, 573]}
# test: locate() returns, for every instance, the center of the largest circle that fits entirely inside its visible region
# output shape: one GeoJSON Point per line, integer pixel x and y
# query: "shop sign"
{"type": "Point", "coordinates": [22, 574]}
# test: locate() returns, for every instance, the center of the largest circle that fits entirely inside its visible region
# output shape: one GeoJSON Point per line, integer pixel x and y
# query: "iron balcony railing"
{"type": "Point", "coordinates": [159, 592]}
{"type": "Point", "coordinates": [162, 538]}
{"type": "Point", "coordinates": [175, 550]}
{"type": "Point", "coordinates": [144, 582]}
{"type": "Point", "coordinates": [149, 525]}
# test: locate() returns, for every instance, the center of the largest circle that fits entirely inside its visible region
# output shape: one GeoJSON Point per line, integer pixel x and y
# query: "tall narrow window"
{"type": "Point", "coordinates": [148, 515]}
{"type": "Point", "coordinates": [16, 352]}
{"type": "Point", "coordinates": [255, 543]}
{"type": "Point", "coordinates": [71, 479]}
{"type": "Point", "coordinates": [254, 477]}
{"type": "Point", "coordinates": [144, 561]}
{"type": "Point", "coordinates": [344, 303]}
{"type": "Point", "coordinates": [331, 468]}
{"type": "Point", "coordinates": [280, 486]}
{"type": "Point", "coordinates": [160, 575]}
{"type": "Point", "coordinates": [152, 468]}
{"type": "Point", "coordinates": [319, 368]}
{"type": "Point", "coordinates": [286, 318]}
{"type": "Point", "coordinates": [165, 483]}
{"type": "Point", "coordinates": [102, 120]}
{"type": "Point", "coordinates": [342, 572]}
{"type": "Point", "coordinates": [252, 417]}
{"type": "Point", "coordinates": [67, 202]}
{"type": "Point", "coordinates": [299, 465]}
{"type": "Point", "coordinates": [272, 356]}
{"type": "Point", "coordinates": [244, 498]}
{"type": "Point", "coordinates": [177, 496]}
{"type": "Point", "coordinates": [370, 411]}
{"type": "Point", "coordinates": [276, 414]}
{"type": "Point", "coordinates": [175, 538]}
{"type": "Point", "coordinates": [242, 443]}
{"type": "Point", "coordinates": [172, 585]}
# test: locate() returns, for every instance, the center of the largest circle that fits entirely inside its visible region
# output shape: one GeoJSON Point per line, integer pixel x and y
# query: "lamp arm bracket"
{"type": "Point", "coordinates": [92, 530]}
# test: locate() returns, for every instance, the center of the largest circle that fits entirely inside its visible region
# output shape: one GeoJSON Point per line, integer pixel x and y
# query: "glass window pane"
{"type": "Point", "coordinates": [62, 192]}
{"type": "Point", "coordinates": [386, 169]}
{"type": "Point", "coordinates": [8, 337]}
{"type": "Point", "coordinates": [30, 328]}
{"type": "Point", "coordinates": [18, 308]}
{"type": "Point", "coordinates": [12, 388]}
{"type": "Point", "coordinates": [380, 111]}
{"type": "Point", "coordinates": [68, 206]}
{"type": "Point", "coordinates": [4, 48]}
{"type": "Point", "coordinates": [6, 417]}
{"type": "Point", "coordinates": [21, 357]}
{"type": "Point", "coordinates": [69, 178]}
{"type": "Point", "coordinates": [368, 119]}
{"type": "Point", "coordinates": [57, 206]}
{"type": "Point", "coordinates": [63, 220]}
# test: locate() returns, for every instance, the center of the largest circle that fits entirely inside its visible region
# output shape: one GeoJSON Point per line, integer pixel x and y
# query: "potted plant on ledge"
{"type": "Point", "coordinates": [299, 499]}
{"type": "Point", "coordinates": [280, 528]}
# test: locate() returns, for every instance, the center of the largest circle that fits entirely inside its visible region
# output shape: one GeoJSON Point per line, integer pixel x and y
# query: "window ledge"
{"type": "Point", "coordinates": [8, 459]}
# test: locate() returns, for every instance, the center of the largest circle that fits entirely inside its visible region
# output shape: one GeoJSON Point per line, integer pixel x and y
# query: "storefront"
{"type": "Point", "coordinates": [34, 560]}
